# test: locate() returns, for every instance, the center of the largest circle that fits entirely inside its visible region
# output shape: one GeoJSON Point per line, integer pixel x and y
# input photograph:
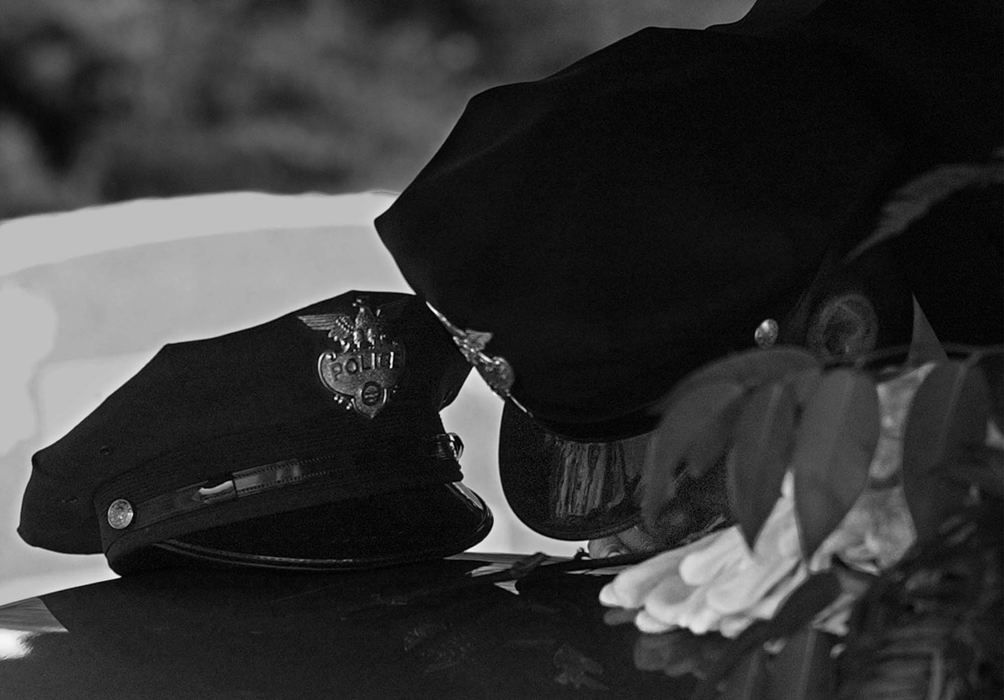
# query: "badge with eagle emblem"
{"type": "Point", "coordinates": [366, 364]}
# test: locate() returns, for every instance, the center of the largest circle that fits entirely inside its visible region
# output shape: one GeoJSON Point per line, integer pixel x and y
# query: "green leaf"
{"type": "Point", "coordinates": [759, 456]}
{"type": "Point", "coordinates": [924, 345]}
{"type": "Point", "coordinates": [804, 383]}
{"type": "Point", "coordinates": [750, 368]}
{"type": "Point", "coordinates": [947, 417]}
{"type": "Point", "coordinates": [713, 442]}
{"type": "Point", "coordinates": [986, 471]}
{"type": "Point", "coordinates": [797, 610]}
{"type": "Point", "coordinates": [803, 670]}
{"type": "Point", "coordinates": [746, 681]}
{"type": "Point", "coordinates": [804, 603]}
{"type": "Point", "coordinates": [685, 421]}
{"type": "Point", "coordinates": [700, 433]}
{"type": "Point", "coordinates": [992, 364]}
{"type": "Point", "coordinates": [834, 445]}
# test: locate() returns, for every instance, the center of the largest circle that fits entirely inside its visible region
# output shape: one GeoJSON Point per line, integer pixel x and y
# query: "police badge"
{"type": "Point", "coordinates": [366, 365]}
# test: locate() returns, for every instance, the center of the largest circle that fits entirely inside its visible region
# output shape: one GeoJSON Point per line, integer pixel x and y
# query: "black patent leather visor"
{"type": "Point", "coordinates": [380, 530]}
{"type": "Point", "coordinates": [569, 489]}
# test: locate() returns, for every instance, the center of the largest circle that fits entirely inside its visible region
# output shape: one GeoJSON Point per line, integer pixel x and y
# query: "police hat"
{"type": "Point", "coordinates": [591, 237]}
{"type": "Point", "coordinates": [312, 441]}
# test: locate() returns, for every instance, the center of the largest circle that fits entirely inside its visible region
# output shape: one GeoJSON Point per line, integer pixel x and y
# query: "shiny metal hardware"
{"type": "Point", "coordinates": [447, 446]}
{"type": "Point", "coordinates": [253, 480]}
{"type": "Point", "coordinates": [120, 514]}
{"type": "Point", "coordinates": [494, 369]}
{"type": "Point", "coordinates": [364, 369]}
{"type": "Point", "coordinates": [767, 333]}
{"type": "Point", "coordinates": [227, 491]}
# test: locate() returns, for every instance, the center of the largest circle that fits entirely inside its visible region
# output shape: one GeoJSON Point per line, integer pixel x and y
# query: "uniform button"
{"type": "Point", "coordinates": [120, 514]}
{"type": "Point", "coordinates": [766, 333]}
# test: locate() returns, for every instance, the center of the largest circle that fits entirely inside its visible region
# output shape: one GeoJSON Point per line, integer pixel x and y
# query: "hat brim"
{"type": "Point", "coordinates": [582, 489]}
{"type": "Point", "coordinates": [569, 489]}
{"type": "Point", "coordinates": [379, 530]}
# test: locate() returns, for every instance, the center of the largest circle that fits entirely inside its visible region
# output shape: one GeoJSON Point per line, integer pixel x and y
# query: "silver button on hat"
{"type": "Point", "coordinates": [766, 333]}
{"type": "Point", "coordinates": [120, 514]}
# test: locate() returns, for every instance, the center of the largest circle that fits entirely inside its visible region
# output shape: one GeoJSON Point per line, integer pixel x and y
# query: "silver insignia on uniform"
{"type": "Point", "coordinates": [494, 369]}
{"type": "Point", "coordinates": [366, 364]}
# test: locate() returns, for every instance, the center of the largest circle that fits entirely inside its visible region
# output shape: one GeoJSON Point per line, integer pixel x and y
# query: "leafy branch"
{"type": "Point", "coordinates": [763, 413]}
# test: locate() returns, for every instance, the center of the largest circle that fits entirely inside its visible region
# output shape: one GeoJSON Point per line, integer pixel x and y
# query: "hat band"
{"type": "Point", "coordinates": [341, 469]}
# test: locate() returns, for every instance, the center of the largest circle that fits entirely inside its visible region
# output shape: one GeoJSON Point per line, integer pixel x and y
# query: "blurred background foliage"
{"type": "Point", "coordinates": [104, 100]}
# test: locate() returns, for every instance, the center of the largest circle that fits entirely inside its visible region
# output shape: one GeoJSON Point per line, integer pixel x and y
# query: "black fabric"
{"type": "Point", "coordinates": [625, 220]}
{"type": "Point", "coordinates": [638, 214]}
{"type": "Point", "coordinates": [768, 16]}
{"type": "Point", "coordinates": [615, 225]}
{"type": "Point", "coordinates": [249, 415]}
{"type": "Point", "coordinates": [952, 259]}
